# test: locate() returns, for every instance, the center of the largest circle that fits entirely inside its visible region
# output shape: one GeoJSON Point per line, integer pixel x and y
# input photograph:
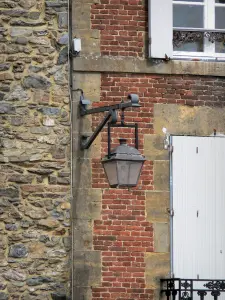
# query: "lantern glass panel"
{"type": "Point", "coordinates": [135, 171]}
{"type": "Point", "coordinates": [123, 169]}
{"type": "Point", "coordinates": [110, 168]}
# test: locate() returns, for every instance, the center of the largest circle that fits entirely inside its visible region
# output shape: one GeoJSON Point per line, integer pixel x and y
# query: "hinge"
{"type": "Point", "coordinates": [171, 212]}
{"type": "Point", "coordinates": [171, 148]}
{"type": "Point", "coordinates": [150, 41]}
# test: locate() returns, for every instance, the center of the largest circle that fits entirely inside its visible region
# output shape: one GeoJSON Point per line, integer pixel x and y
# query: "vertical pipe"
{"type": "Point", "coordinates": [171, 208]}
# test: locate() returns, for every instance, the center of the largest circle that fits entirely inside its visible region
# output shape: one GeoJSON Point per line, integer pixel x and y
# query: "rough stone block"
{"type": "Point", "coordinates": [157, 205]}
{"type": "Point", "coordinates": [161, 175]}
{"type": "Point", "coordinates": [161, 237]}
{"type": "Point", "coordinates": [63, 20]}
{"type": "Point", "coordinates": [153, 147]}
{"type": "Point", "coordinates": [9, 193]}
{"type": "Point", "coordinates": [87, 268]}
{"type": "Point", "coordinates": [157, 267]}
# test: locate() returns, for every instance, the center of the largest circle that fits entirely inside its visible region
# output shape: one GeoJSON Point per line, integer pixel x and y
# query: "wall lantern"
{"type": "Point", "coordinates": [123, 164]}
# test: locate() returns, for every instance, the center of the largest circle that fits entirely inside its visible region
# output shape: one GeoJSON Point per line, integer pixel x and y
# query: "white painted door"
{"type": "Point", "coordinates": [198, 201]}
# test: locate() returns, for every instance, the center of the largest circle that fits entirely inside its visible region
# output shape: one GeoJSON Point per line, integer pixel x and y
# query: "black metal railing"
{"type": "Point", "coordinates": [185, 35]}
{"type": "Point", "coordinates": [191, 289]}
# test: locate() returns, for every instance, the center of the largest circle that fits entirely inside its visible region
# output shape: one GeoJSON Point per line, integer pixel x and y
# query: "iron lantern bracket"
{"type": "Point", "coordinates": [110, 117]}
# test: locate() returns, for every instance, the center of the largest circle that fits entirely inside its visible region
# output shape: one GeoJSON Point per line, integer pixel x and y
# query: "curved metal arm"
{"type": "Point", "coordinates": [85, 141]}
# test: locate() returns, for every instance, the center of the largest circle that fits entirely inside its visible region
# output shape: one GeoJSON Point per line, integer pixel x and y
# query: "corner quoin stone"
{"type": "Point", "coordinates": [157, 205]}
{"type": "Point", "coordinates": [161, 175]}
{"type": "Point", "coordinates": [161, 237]}
{"type": "Point", "coordinates": [157, 267]}
{"type": "Point", "coordinates": [88, 268]}
{"type": "Point", "coordinates": [153, 147]}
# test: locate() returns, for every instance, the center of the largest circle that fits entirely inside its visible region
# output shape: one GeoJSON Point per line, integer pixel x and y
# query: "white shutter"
{"type": "Point", "coordinates": [198, 167]}
{"type": "Point", "coordinates": [160, 28]}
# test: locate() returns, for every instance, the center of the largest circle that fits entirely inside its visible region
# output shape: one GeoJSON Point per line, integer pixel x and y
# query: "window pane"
{"type": "Point", "coordinates": [220, 18]}
{"type": "Point", "coordinates": [190, 47]}
{"type": "Point", "coordinates": [188, 16]}
{"type": "Point", "coordinates": [220, 47]}
{"type": "Point", "coordinates": [220, 1]}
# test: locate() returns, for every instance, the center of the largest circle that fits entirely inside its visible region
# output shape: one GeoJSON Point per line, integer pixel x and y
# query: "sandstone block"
{"type": "Point", "coordinates": [87, 266]}
{"type": "Point", "coordinates": [90, 83]}
{"type": "Point", "coordinates": [161, 175]}
{"type": "Point", "coordinates": [157, 267]}
{"type": "Point", "coordinates": [157, 205]}
{"type": "Point", "coordinates": [82, 293]}
{"type": "Point", "coordinates": [161, 237]}
{"type": "Point", "coordinates": [90, 40]}
{"type": "Point", "coordinates": [182, 119]}
{"type": "Point", "coordinates": [153, 147]}
{"type": "Point", "coordinates": [83, 177]}
{"type": "Point", "coordinates": [91, 207]}
{"type": "Point", "coordinates": [83, 236]}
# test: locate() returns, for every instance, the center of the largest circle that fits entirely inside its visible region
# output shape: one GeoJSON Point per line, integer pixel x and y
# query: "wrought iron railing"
{"type": "Point", "coordinates": [185, 35]}
{"type": "Point", "coordinates": [191, 289]}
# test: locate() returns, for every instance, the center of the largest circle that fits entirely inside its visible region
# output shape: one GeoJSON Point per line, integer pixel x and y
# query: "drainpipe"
{"type": "Point", "coordinates": [70, 75]}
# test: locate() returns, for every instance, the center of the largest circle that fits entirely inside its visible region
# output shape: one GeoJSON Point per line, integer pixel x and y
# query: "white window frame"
{"type": "Point", "coordinates": [209, 25]}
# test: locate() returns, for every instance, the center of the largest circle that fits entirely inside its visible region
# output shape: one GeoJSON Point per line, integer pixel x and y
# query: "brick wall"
{"type": "Point", "coordinates": [124, 234]}
{"type": "Point", "coordinates": [122, 25]}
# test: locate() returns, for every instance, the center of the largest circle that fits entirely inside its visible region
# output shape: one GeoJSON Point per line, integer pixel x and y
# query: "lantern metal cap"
{"type": "Point", "coordinates": [125, 152]}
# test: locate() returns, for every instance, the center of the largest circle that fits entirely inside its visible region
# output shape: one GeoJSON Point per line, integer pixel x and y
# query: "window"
{"type": "Point", "coordinates": [207, 20]}
{"type": "Point", "coordinates": [187, 28]}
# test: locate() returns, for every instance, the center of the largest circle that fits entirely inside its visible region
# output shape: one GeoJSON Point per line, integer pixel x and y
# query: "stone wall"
{"type": "Point", "coordinates": [34, 150]}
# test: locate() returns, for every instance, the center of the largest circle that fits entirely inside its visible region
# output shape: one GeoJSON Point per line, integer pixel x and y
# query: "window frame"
{"type": "Point", "coordinates": [209, 25]}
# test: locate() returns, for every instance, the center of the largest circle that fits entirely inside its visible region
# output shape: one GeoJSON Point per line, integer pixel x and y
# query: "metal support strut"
{"type": "Point", "coordinates": [110, 118]}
